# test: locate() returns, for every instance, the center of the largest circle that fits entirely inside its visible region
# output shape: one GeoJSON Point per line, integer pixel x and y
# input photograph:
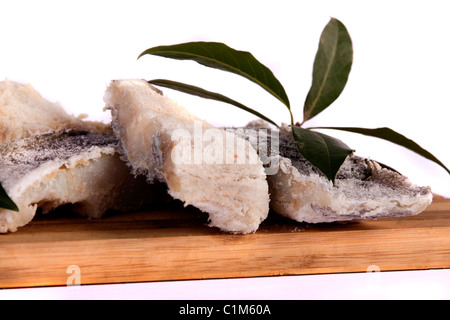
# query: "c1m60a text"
{"type": "Point", "coordinates": [229, 309]}
{"type": "Point", "coordinates": [246, 309]}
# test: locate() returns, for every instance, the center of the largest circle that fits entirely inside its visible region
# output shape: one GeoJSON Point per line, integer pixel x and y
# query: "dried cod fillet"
{"type": "Point", "coordinates": [68, 166]}
{"type": "Point", "coordinates": [235, 196]}
{"type": "Point", "coordinates": [24, 112]}
{"type": "Point", "coordinates": [363, 189]}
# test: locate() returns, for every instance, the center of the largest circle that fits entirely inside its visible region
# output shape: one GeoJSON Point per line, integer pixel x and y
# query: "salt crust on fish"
{"type": "Point", "coordinates": [24, 112]}
{"type": "Point", "coordinates": [235, 196]}
{"type": "Point", "coordinates": [68, 166]}
{"type": "Point", "coordinates": [363, 188]}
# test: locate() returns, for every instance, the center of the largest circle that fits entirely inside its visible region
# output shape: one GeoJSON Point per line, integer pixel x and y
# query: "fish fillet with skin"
{"type": "Point", "coordinates": [363, 189]}
{"type": "Point", "coordinates": [234, 191]}
{"type": "Point", "coordinates": [24, 112]}
{"type": "Point", "coordinates": [68, 166]}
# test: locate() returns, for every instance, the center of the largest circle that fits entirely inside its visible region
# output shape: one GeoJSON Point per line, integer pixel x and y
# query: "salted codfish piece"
{"type": "Point", "coordinates": [68, 166]}
{"type": "Point", "coordinates": [363, 189]}
{"type": "Point", "coordinates": [234, 191]}
{"type": "Point", "coordinates": [24, 112]}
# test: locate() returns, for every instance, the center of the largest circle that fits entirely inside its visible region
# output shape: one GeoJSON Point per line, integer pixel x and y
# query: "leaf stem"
{"type": "Point", "coordinates": [292, 117]}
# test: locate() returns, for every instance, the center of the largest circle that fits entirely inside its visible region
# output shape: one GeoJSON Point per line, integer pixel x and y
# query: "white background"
{"type": "Point", "coordinates": [69, 51]}
{"type": "Point", "coordinates": [396, 285]}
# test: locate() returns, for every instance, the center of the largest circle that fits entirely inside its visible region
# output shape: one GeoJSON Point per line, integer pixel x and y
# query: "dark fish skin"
{"type": "Point", "coordinates": [70, 167]}
{"type": "Point", "coordinates": [21, 156]}
{"type": "Point", "coordinates": [359, 180]}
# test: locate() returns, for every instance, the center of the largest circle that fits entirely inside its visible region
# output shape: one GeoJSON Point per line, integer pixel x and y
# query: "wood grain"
{"type": "Point", "coordinates": [173, 243]}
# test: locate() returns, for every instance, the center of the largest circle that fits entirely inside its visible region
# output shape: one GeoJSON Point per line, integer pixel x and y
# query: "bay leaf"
{"type": "Point", "coordinates": [324, 152]}
{"type": "Point", "coordinates": [391, 136]}
{"type": "Point", "coordinates": [331, 69]}
{"type": "Point", "coordinates": [193, 90]}
{"type": "Point", "coordinates": [220, 56]}
{"type": "Point", "coordinates": [5, 200]}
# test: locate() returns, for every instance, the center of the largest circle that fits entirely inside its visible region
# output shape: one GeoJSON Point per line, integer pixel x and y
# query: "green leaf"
{"type": "Point", "coordinates": [220, 56]}
{"type": "Point", "coordinates": [331, 69]}
{"type": "Point", "coordinates": [5, 200]}
{"type": "Point", "coordinates": [324, 152]}
{"type": "Point", "coordinates": [186, 88]}
{"type": "Point", "coordinates": [394, 137]}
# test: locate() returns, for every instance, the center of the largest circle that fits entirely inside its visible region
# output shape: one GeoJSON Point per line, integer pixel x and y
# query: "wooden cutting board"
{"type": "Point", "coordinates": [173, 243]}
